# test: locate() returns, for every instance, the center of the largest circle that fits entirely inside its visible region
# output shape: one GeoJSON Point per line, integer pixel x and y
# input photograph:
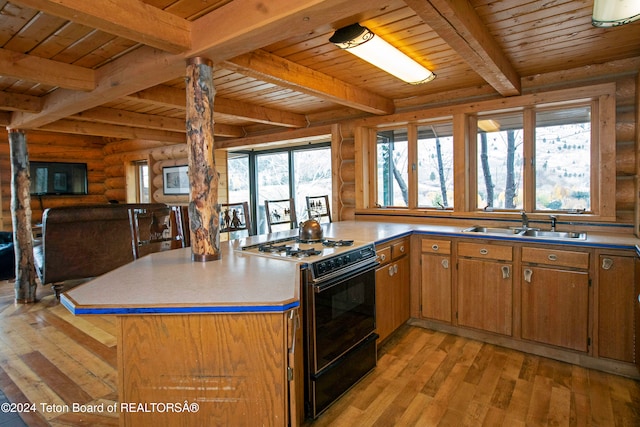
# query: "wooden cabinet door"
{"type": "Point", "coordinates": [485, 295]}
{"type": "Point", "coordinates": [616, 282]}
{"type": "Point", "coordinates": [402, 308]}
{"type": "Point", "coordinates": [555, 307]}
{"type": "Point", "coordinates": [384, 301]}
{"type": "Point", "coordinates": [435, 280]}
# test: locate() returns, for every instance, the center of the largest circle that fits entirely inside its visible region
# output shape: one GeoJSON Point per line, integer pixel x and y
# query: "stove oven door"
{"type": "Point", "coordinates": [341, 315]}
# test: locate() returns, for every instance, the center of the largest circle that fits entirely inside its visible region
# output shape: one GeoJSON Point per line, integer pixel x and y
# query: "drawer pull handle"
{"type": "Point", "coordinates": [445, 263]}
{"type": "Point", "coordinates": [506, 271]}
{"type": "Point", "coordinates": [553, 257]}
{"type": "Point", "coordinates": [402, 248]}
{"type": "Point", "coordinates": [607, 263]}
{"type": "Point", "coordinates": [391, 272]}
{"type": "Point", "coordinates": [383, 257]}
{"type": "Point", "coordinates": [527, 275]}
{"type": "Point", "coordinates": [395, 268]}
{"type": "Point", "coordinates": [484, 251]}
{"type": "Point", "coordinates": [435, 247]}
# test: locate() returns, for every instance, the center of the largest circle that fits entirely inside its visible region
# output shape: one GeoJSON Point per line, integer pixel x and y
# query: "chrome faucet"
{"type": "Point", "coordinates": [525, 220]}
{"type": "Point", "coordinates": [553, 222]}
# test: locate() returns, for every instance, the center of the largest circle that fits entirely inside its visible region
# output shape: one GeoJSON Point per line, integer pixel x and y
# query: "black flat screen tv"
{"type": "Point", "coordinates": [56, 178]}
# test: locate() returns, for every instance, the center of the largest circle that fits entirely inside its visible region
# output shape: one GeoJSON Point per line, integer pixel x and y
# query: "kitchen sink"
{"type": "Point", "coordinates": [491, 230]}
{"type": "Point", "coordinates": [528, 232]}
{"type": "Point", "coordinates": [553, 234]}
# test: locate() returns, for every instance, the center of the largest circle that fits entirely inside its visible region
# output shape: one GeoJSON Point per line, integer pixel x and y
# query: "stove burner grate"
{"type": "Point", "coordinates": [300, 253]}
{"type": "Point", "coordinates": [271, 248]}
{"type": "Point", "coordinates": [335, 243]}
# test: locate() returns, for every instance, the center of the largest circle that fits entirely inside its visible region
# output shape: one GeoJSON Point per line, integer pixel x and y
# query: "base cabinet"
{"type": "Point", "coordinates": [392, 288]}
{"type": "Point", "coordinates": [616, 326]}
{"type": "Point", "coordinates": [435, 280]}
{"type": "Point", "coordinates": [485, 287]}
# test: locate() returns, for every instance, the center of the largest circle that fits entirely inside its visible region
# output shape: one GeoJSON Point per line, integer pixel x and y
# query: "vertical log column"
{"type": "Point", "coordinates": [204, 210]}
{"type": "Point", "coordinates": [25, 285]}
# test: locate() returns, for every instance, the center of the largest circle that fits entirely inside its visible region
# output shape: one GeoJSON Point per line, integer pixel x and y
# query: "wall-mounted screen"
{"type": "Point", "coordinates": [58, 178]}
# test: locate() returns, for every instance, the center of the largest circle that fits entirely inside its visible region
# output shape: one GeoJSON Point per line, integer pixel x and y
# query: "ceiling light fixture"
{"type": "Point", "coordinates": [363, 43]}
{"type": "Point", "coordinates": [611, 13]}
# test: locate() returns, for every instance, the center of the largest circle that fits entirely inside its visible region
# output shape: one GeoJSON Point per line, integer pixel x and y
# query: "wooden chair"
{"type": "Point", "coordinates": [235, 217]}
{"type": "Point", "coordinates": [280, 212]}
{"type": "Point", "coordinates": [318, 207]}
{"type": "Point", "coordinates": [155, 230]}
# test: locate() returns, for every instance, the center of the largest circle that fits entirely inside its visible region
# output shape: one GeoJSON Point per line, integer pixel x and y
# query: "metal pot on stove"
{"type": "Point", "coordinates": [310, 230]}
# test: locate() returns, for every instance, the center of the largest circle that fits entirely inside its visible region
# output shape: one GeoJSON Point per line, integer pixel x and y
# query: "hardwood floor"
{"type": "Point", "coordinates": [423, 378]}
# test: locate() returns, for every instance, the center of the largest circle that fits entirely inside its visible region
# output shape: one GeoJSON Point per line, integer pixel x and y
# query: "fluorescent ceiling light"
{"type": "Point", "coordinates": [363, 43]}
{"type": "Point", "coordinates": [611, 13]}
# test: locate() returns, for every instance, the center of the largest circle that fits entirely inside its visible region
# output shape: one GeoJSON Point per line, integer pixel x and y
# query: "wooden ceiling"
{"type": "Point", "coordinates": [115, 68]}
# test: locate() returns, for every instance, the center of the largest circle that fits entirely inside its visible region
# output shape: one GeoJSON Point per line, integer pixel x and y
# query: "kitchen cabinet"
{"type": "Point", "coordinates": [555, 297]}
{"type": "Point", "coordinates": [485, 287]}
{"type": "Point", "coordinates": [435, 280]}
{"type": "Point", "coordinates": [616, 295]}
{"type": "Point", "coordinates": [392, 287]}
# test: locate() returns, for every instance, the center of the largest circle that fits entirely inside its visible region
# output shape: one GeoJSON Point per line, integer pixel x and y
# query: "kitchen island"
{"type": "Point", "coordinates": [213, 343]}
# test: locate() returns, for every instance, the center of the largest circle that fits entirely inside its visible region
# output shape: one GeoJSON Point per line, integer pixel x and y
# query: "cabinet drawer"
{"type": "Point", "coordinates": [384, 255]}
{"type": "Point", "coordinates": [556, 257]}
{"type": "Point", "coordinates": [436, 246]}
{"type": "Point", "coordinates": [486, 251]}
{"type": "Point", "coordinates": [399, 249]}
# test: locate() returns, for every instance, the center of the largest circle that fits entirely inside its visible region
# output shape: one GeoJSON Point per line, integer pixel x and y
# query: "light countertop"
{"type": "Point", "coordinates": [170, 282]}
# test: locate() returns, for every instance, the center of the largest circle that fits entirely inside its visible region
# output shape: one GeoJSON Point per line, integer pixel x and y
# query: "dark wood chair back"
{"type": "Point", "coordinates": [235, 217]}
{"type": "Point", "coordinates": [281, 211]}
{"type": "Point", "coordinates": [154, 230]}
{"type": "Point", "coordinates": [318, 207]}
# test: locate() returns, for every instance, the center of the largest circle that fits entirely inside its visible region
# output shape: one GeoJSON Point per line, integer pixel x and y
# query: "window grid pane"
{"type": "Point", "coordinates": [500, 162]}
{"type": "Point", "coordinates": [435, 166]}
{"type": "Point", "coordinates": [563, 159]}
{"type": "Point", "coordinates": [392, 168]}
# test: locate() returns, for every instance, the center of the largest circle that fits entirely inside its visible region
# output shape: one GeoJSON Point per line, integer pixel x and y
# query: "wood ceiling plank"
{"type": "Point", "coordinates": [270, 68]}
{"type": "Point", "coordinates": [45, 71]}
{"type": "Point", "coordinates": [459, 25]}
{"type": "Point", "coordinates": [131, 19]}
{"type": "Point", "coordinates": [39, 28]}
{"type": "Point", "coordinates": [127, 118]}
{"type": "Point", "coordinates": [174, 97]}
{"type": "Point", "coordinates": [19, 102]}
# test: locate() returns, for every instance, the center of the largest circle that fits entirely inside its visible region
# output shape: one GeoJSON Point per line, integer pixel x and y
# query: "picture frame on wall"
{"type": "Point", "coordinates": [175, 180]}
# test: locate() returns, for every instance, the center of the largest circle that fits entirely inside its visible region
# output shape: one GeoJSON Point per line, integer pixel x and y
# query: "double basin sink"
{"type": "Point", "coordinates": [527, 232]}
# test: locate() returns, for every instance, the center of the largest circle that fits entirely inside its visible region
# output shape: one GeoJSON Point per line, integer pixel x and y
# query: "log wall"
{"type": "Point", "coordinates": [53, 147]}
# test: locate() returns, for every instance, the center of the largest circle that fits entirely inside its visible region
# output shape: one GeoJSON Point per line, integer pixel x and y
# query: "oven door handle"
{"type": "Point", "coordinates": [330, 282]}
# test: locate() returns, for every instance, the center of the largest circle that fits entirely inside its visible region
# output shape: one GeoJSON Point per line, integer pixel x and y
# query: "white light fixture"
{"type": "Point", "coordinates": [363, 43]}
{"type": "Point", "coordinates": [611, 13]}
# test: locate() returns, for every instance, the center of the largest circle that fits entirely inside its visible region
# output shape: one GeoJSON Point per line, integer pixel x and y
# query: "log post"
{"type": "Point", "coordinates": [204, 210]}
{"type": "Point", "coordinates": [25, 285]}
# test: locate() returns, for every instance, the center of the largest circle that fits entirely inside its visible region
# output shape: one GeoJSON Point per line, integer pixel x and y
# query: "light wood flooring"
{"type": "Point", "coordinates": [423, 378]}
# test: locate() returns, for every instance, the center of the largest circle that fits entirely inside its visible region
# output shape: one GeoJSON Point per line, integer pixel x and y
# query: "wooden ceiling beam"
{"type": "Point", "coordinates": [45, 71]}
{"type": "Point", "coordinates": [20, 102]}
{"type": "Point", "coordinates": [148, 121]}
{"type": "Point", "coordinates": [273, 69]}
{"type": "Point", "coordinates": [458, 24]}
{"type": "Point", "coordinates": [114, 131]}
{"type": "Point", "coordinates": [147, 67]}
{"type": "Point", "coordinates": [175, 98]}
{"type": "Point", "coordinates": [131, 19]}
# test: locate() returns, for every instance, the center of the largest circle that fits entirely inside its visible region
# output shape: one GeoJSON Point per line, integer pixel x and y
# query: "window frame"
{"type": "Point", "coordinates": [603, 146]}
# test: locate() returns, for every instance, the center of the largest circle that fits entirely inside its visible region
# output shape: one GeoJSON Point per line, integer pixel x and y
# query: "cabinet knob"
{"type": "Point", "coordinates": [383, 257]}
{"type": "Point", "coordinates": [402, 248]}
{"type": "Point", "coordinates": [607, 263]}
{"type": "Point", "coordinates": [552, 257]}
{"type": "Point", "coordinates": [435, 247]}
{"type": "Point", "coordinates": [391, 270]}
{"type": "Point", "coordinates": [484, 251]}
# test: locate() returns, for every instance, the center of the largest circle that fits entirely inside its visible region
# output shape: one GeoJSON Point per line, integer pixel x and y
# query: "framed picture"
{"type": "Point", "coordinates": [175, 180]}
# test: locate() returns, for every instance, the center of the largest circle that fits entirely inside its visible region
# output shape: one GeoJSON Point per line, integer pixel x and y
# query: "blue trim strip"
{"type": "Point", "coordinates": [180, 310]}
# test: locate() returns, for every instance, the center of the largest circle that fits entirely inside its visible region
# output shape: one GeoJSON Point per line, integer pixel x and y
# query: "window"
{"type": "Point", "coordinates": [142, 180]}
{"type": "Point", "coordinates": [433, 144]}
{"type": "Point", "coordinates": [279, 174]}
{"type": "Point", "coordinates": [563, 159]}
{"type": "Point", "coordinates": [499, 170]}
{"type": "Point", "coordinates": [392, 177]}
{"type": "Point", "coordinates": [435, 166]}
